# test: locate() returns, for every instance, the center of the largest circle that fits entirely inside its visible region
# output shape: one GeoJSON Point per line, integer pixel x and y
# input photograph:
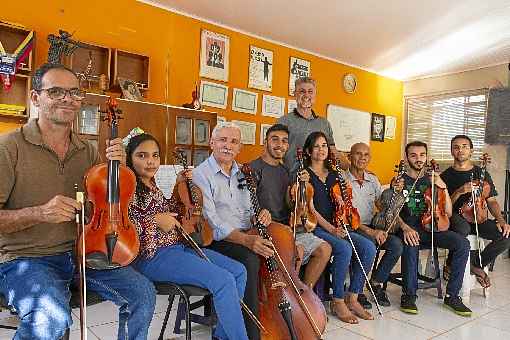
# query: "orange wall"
{"type": "Point", "coordinates": [140, 28]}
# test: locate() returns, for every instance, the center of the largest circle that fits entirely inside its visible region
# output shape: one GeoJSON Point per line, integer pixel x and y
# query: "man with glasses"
{"type": "Point", "coordinates": [228, 209]}
{"type": "Point", "coordinates": [40, 163]}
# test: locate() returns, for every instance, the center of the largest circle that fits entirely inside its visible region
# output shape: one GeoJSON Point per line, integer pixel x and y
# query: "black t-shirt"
{"type": "Point", "coordinates": [321, 194]}
{"type": "Point", "coordinates": [415, 202]}
{"type": "Point", "coordinates": [272, 183]}
{"type": "Point", "coordinates": [454, 179]}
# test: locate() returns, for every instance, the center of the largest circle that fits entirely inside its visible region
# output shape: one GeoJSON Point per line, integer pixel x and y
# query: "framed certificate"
{"type": "Point", "coordinates": [183, 130]}
{"type": "Point", "coordinates": [213, 94]}
{"type": "Point", "coordinates": [244, 101]}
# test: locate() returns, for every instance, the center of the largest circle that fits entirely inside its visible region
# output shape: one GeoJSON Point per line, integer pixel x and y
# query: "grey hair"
{"type": "Point", "coordinates": [304, 80]}
{"type": "Point", "coordinates": [224, 125]}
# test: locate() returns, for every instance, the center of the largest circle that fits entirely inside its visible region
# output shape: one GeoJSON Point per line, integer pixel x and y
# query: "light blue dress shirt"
{"type": "Point", "coordinates": [226, 206]}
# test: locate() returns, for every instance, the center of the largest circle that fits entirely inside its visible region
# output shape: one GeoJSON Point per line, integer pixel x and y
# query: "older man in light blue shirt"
{"type": "Point", "coordinates": [227, 208]}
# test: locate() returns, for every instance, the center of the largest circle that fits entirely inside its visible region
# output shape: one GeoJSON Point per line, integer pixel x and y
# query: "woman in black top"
{"type": "Point", "coordinates": [322, 177]}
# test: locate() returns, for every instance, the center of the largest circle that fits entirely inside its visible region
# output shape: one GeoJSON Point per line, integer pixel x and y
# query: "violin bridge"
{"type": "Point", "coordinates": [277, 285]}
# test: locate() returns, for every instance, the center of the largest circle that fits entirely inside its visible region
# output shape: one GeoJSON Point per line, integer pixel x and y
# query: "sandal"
{"type": "Point", "coordinates": [347, 318]}
{"type": "Point", "coordinates": [482, 277]}
{"type": "Point", "coordinates": [359, 311]}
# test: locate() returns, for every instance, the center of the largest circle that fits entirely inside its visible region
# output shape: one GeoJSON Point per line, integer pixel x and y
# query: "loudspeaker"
{"type": "Point", "coordinates": [497, 127]}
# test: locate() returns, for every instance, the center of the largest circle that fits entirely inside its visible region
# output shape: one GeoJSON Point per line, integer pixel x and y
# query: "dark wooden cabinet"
{"type": "Point", "coordinates": [161, 121]}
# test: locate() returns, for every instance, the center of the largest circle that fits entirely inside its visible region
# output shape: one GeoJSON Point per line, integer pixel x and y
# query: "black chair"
{"type": "Point", "coordinates": [92, 299]}
{"type": "Point", "coordinates": [424, 282]}
{"type": "Point", "coordinates": [185, 307]}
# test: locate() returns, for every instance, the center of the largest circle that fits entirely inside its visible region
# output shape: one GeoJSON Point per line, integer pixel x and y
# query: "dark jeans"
{"type": "Point", "coordinates": [486, 230]}
{"type": "Point", "coordinates": [393, 247]}
{"type": "Point", "coordinates": [251, 262]}
{"type": "Point", "coordinates": [459, 250]}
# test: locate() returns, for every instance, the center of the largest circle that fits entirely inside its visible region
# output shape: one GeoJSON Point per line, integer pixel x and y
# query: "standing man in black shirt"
{"type": "Point", "coordinates": [273, 182]}
{"type": "Point", "coordinates": [413, 234]}
{"type": "Point", "coordinates": [458, 179]}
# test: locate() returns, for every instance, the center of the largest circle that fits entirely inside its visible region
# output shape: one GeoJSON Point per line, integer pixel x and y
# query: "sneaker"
{"type": "Point", "coordinates": [408, 304]}
{"type": "Point", "coordinates": [455, 303]}
{"type": "Point", "coordinates": [381, 296]}
{"type": "Point", "coordinates": [363, 301]}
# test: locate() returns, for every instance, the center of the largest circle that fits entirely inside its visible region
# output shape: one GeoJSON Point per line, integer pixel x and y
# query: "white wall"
{"type": "Point", "coordinates": [495, 76]}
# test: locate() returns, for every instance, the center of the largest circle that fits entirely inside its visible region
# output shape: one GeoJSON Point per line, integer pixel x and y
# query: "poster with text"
{"type": "Point", "coordinates": [298, 68]}
{"type": "Point", "coordinates": [261, 69]}
{"type": "Point", "coordinates": [214, 55]}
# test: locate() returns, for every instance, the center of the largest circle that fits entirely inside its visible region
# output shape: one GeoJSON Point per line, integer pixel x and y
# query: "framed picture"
{"type": "Point", "coordinates": [390, 127]}
{"type": "Point", "coordinates": [88, 120]}
{"type": "Point", "coordinates": [200, 155]}
{"type": "Point", "coordinates": [130, 89]}
{"type": "Point", "coordinates": [261, 69]}
{"type": "Point", "coordinates": [377, 127]}
{"type": "Point", "coordinates": [273, 106]}
{"type": "Point", "coordinates": [298, 68]}
{"type": "Point", "coordinates": [244, 101]}
{"type": "Point", "coordinates": [213, 94]}
{"type": "Point", "coordinates": [247, 131]}
{"type": "Point", "coordinates": [214, 55]}
{"type": "Point", "coordinates": [183, 131]}
{"type": "Point", "coordinates": [201, 132]}
{"type": "Point", "coordinates": [291, 105]}
{"type": "Point", "coordinates": [263, 131]}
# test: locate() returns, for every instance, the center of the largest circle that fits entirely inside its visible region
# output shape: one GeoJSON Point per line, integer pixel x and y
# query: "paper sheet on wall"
{"type": "Point", "coordinates": [166, 177]}
{"type": "Point", "coordinates": [349, 126]}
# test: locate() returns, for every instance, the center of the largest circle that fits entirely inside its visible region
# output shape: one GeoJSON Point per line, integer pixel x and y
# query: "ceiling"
{"type": "Point", "coordinates": [401, 39]}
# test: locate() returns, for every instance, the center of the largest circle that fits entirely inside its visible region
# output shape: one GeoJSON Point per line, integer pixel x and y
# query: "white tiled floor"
{"type": "Point", "coordinates": [491, 319]}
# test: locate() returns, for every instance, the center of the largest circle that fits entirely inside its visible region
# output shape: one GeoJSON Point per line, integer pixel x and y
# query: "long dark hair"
{"type": "Point", "coordinates": [308, 147]}
{"type": "Point", "coordinates": [134, 142]}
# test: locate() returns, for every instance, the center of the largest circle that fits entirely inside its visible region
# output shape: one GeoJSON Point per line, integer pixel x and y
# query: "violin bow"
{"type": "Point", "coordinates": [473, 199]}
{"type": "Point", "coordinates": [367, 280]}
{"type": "Point", "coordinates": [80, 223]}
{"type": "Point", "coordinates": [432, 208]}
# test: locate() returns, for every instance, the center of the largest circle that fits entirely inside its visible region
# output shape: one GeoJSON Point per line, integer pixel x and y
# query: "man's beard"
{"type": "Point", "coordinates": [273, 155]}
{"type": "Point", "coordinates": [416, 168]}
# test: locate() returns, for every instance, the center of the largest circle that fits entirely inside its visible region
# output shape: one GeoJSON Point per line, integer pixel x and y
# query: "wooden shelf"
{"type": "Point", "coordinates": [18, 94]}
{"type": "Point", "coordinates": [131, 66]}
{"type": "Point", "coordinates": [101, 60]}
{"type": "Point", "coordinates": [11, 37]}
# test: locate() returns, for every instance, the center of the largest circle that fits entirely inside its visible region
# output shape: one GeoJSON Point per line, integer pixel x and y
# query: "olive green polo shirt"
{"type": "Point", "coordinates": [31, 174]}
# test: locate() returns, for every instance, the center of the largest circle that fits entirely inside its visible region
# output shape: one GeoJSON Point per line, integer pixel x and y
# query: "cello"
{"type": "Point", "coordinates": [302, 194]}
{"type": "Point", "coordinates": [435, 217]}
{"type": "Point", "coordinates": [475, 209]}
{"type": "Point", "coordinates": [109, 239]}
{"type": "Point", "coordinates": [190, 202]}
{"type": "Point", "coordinates": [289, 309]}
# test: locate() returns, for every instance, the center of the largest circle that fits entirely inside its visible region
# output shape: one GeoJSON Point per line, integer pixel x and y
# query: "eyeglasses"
{"type": "Point", "coordinates": [57, 93]}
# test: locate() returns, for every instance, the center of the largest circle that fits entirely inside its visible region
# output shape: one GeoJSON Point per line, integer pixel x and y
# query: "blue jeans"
{"type": "Point", "coordinates": [458, 247]}
{"type": "Point", "coordinates": [343, 256]}
{"type": "Point", "coordinates": [393, 247]}
{"type": "Point", "coordinates": [224, 278]}
{"type": "Point", "coordinates": [38, 288]}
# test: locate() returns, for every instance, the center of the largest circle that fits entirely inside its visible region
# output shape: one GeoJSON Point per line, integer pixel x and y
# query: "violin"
{"type": "Point", "coordinates": [391, 202]}
{"type": "Point", "coordinates": [341, 195]}
{"type": "Point", "coordinates": [435, 217]}
{"type": "Point", "coordinates": [190, 202]}
{"type": "Point", "coordinates": [289, 309]}
{"type": "Point", "coordinates": [480, 191]}
{"type": "Point", "coordinates": [302, 194]}
{"type": "Point", "coordinates": [109, 239]}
